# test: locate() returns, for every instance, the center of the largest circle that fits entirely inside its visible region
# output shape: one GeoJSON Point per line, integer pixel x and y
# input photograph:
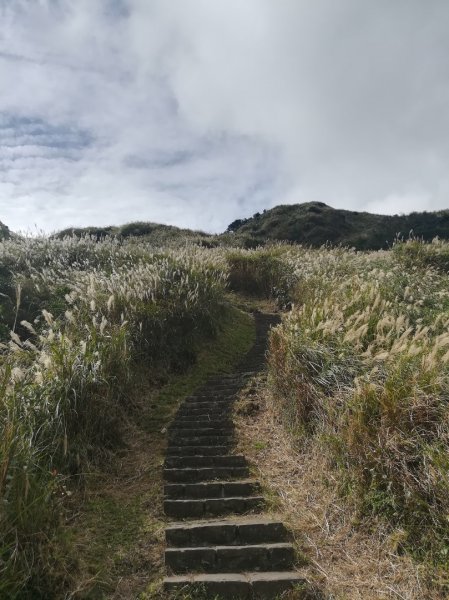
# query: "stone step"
{"type": "Point", "coordinates": [229, 379]}
{"type": "Point", "coordinates": [191, 423]}
{"type": "Point", "coordinates": [211, 413]}
{"type": "Point", "coordinates": [203, 412]}
{"type": "Point", "coordinates": [225, 389]}
{"type": "Point", "coordinates": [186, 432]}
{"type": "Point", "coordinates": [222, 403]}
{"type": "Point", "coordinates": [249, 374]}
{"type": "Point", "coordinates": [205, 440]}
{"type": "Point", "coordinates": [181, 462]}
{"type": "Point", "coordinates": [235, 557]}
{"type": "Point", "coordinates": [201, 416]}
{"type": "Point", "coordinates": [231, 386]}
{"type": "Point", "coordinates": [219, 489]}
{"type": "Point", "coordinates": [205, 415]}
{"type": "Point", "coordinates": [215, 507]}
{"type": "Point", "coordinates": [202, 424]}
{"type": "Point", "coordinates": [207, 406]}
{"type": "Point", "coordinates": [191, 475]}
{"type": "Point", "coordinates": [255, 350]}
{"type": "Point", "coordinates": [256, 353]}
{"type": "Point", "coordinates": [238, 586]}
{"type": "Point", "coordinates": [219, 397]}
{"type": "Point", "coordinates": [202, 421]}
{"type": "Point", "coordinates": [186, 428]}
{"type": "Point", "coordinates": [230, 559]}
{"type": "Point", "coordinates": [232, 378]}
{"type": "Point", "coordinates": [219, 401]}
{"type": "Point", "coordinates": [197, 450]}
{"type": "Point", "coordinates": [207, 396]}
{"type": "Point", "coordinates": [204, 409]}
{"type": "Point", "coordinates": [226, 532]}
{"type": "Point", "coordinates": [202, 428]}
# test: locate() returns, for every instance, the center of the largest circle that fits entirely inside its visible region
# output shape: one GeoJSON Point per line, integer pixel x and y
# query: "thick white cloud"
{"type": "Point", "coordinates": [196, 112]}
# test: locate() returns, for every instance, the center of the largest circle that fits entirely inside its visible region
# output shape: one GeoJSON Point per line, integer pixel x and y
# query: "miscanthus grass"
{"type": "Point", "coordinates": [265, 272]}
{"type": "Point", "coordinates": [77, 315]}
{"type": "Point", "coordinates": [360, 367]}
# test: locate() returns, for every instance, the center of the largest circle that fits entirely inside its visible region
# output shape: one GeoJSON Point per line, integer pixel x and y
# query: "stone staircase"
{"type": "Point", "coordinates": [218, 543]}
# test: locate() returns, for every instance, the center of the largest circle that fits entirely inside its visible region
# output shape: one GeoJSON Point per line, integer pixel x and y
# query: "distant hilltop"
{"type": "Point", "coordinates": [140, 229]}
{"type": "Point", "coordinates": [312, 224]}
{"type": "Point", "coordinates": [316, 223]}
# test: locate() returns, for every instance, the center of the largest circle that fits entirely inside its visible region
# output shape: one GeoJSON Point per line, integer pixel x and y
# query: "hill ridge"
{"type": "Point", "coordinates": [316, 223]}
{"type": "Point", "coordinates": [312, 224]}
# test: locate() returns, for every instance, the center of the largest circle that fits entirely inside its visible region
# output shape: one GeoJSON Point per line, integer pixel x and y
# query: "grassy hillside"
{"type": "Point", "coordinates": [359, 375]}
{"type": "Point", "coordinates": [359, 371]}
{"type": "Point", "coordinates": [151, 232]}
{"type": "Point", "coordinates": [315, 223]}
{"type": "Point", "coordinates": [312, 224]}
{"type": "Point", "coordinates": [78, 318]}
{"type": "Point", "coordinates": [360, 365]}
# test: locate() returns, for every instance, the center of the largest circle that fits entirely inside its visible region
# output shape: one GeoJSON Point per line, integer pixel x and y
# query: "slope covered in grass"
{"type": "Point", "coordinates": [312, 224]}
{"type": "Point", "coordinates": [315, 224]}
{"type": "Point", "coordinates": [360, 369]}
{"type": "Point", "coordinates": [79, 316]}
{"type": "Point", "coordinates": [156, 233]}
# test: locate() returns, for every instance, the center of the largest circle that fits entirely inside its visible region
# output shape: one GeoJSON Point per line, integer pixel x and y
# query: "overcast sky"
{"type": "Point", "coordinates": [198, 112]}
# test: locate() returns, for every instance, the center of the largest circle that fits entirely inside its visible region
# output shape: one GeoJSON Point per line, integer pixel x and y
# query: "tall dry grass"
{"type": "Point", "coordinates": [361, 366]}
{"type": "Point", "coordinates": [81, 314]}
{"type": "Point", "coordinates": [262, 272]}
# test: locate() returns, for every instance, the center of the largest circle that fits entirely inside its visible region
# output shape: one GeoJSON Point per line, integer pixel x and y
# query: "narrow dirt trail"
{"type": "Point", "coordinates": [219, 540]}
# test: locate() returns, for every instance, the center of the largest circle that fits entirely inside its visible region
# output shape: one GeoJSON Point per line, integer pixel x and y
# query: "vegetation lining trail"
{"type": "Point", "coordinates": [77, 317]}
{"type": "Point", "coordinates": [359, 369]}
{"type": "Point", "coordinates": [119, 529]}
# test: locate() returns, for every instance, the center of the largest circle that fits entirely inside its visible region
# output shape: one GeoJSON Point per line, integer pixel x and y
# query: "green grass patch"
{"type": "Point", "coordinates": [111, 526]}
{"type": "Point", "coordinates": [260, 273]}
{"type": "Point", "coordinates": [220, 355]}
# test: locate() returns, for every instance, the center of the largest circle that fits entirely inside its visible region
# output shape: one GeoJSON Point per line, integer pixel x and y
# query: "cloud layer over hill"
{"type": "Point", "coordinates": [195, 113]}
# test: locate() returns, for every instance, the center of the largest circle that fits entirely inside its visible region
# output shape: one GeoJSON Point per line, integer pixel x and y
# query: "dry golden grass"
{"type": "Point", "coordinates": [345, 560]}
{"type": "Point", "coordinates": [78, 316]}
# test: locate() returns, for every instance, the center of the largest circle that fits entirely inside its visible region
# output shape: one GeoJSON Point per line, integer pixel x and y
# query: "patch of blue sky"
{"type": "Point", "coordinates": [18, 131]}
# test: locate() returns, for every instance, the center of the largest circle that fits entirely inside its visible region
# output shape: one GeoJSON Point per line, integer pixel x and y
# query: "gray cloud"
{"type": "Point", "coordinates": [195, 112]}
